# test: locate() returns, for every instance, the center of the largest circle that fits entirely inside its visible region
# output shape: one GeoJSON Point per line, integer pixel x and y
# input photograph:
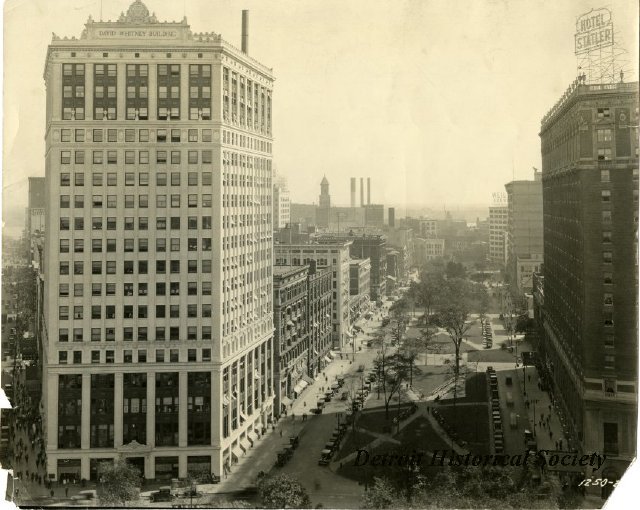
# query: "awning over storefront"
{"type": "Point", "coordinates": [245, 444]}
{"type": "Point", "coordinates": [286, 401]}
{"type": "Point", "coordinates": [256, 375]}
{"type": "Point", "coordinates": [332, 354]}
{"type": "Point", "coordinates": [243, 416]}
{"type": "Point", "coordinates": [308, 379]}
{"type": "Point", "coordinates": [237, 452]}
{"type": "Point", "coordinates": [253, 436]}
{"type": "Point", "coordinates": [303, 383]}
{"type": "Point", "coordinates": [327, 359]}
{"type": "Point", "coordinates": [392, 278]}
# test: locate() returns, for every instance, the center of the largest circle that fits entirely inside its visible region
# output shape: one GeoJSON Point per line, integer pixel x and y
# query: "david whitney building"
{"type": "Point", "coordinates": [158, 298]}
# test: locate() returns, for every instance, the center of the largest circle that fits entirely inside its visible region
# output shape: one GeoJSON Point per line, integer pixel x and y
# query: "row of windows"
{"type": "Point", "coordinates": [162, 157]}
{"type": "Point", "coordinates": [162, 135]}
{"type": "Point", "coordinates": [143, 267]}
{"type": "Point", "coordinates": [129, 312]}
{"type": "Point", "coordinates": [111, 223]}
{"type": "Point", "coordinates": [128, 289]}
{"type": "Point", "coordinates": [129, 244]}
{"type": "Point", "coordinates": [142, 334]}
{"type": "Point", "coordinates": [98, 179]}
{"type": "Point", "coordinates": [77, 112]}
{"type": "Point", "coordinates": [197, 404]}
{"type": "Point", "coordinates": [97, 202]}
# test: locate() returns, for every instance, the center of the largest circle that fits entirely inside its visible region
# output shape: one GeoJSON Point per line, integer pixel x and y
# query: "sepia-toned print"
{"type": "Point", "coordinates": [319, 254]}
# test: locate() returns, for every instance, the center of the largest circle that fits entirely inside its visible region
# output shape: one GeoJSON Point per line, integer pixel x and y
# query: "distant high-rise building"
{"type": "Point", "coordinates": [498, 226]}
{"type": "Point", "coordinates": [392, 216]}
{"type": "Point", "coordinates": [281, 204]}
{"type": "Point", "coordinates": [36, 206]}
{"type": "Point", "coordinates": [159, 321]}
{"type": "Point", "coordinates": [590, 332]}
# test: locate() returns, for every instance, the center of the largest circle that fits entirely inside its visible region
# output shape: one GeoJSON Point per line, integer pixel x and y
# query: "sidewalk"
{"type": "Point", "coordinates": [547, 433]}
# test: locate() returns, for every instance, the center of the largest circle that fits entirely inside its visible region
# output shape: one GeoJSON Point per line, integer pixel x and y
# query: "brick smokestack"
{"type": "Point", "coordinates": [361, 191]}
{"type": "Point", "coordinates": [245, 32]}
{"type": "Point", "coordinates": [353, 192]}
{"type": "Point", "coordinates": [368, 190]}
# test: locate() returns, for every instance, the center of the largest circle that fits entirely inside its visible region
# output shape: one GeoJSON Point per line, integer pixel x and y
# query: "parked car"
{"type": "Point", "coordinates": [163, 494]}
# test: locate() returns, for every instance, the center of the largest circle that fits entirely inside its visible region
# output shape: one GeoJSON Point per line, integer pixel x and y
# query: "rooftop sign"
{"type": "Point", "coordinates": [594, 31]}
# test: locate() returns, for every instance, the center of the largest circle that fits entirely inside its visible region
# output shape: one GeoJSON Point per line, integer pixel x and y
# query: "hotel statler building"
{"type": "Point", "coordinates": [590, 330]}
{"type": "Point", "coordinates": [158, 300]}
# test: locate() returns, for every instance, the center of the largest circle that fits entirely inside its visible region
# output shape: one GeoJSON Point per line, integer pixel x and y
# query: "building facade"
{"type": "Point", "coordinates": [359, 287]}
{"type": "Point", "coordinates": [334, 255]}
{"type": "Point", "coordinates": [291, 338]}
{"type": "Point", "coordinates": [524, 239]}
{"type": "Point", "coordinates": [589, 146]}
{"type": "Point", "coordinates": [366, 246]}
{"type": "Point", "coordinates": [428, 249]}
{"type": "Point", "coordinates": [158, 281]}
{"type": "Point", "coordinates": [319, 305]}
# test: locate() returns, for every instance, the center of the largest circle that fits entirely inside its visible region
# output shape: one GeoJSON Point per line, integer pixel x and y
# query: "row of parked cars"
{"type": "Point", "coordinates": [487, 334]}
{"type": "Point", "coordinates": [498, 436]}
{"type": "Point", "coordinates": [333, 445]}
{"type": "Point", "coordinates": [328, 395]}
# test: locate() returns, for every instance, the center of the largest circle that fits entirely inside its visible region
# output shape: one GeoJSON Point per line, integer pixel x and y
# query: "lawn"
{"type": "Point", "coordinates": [374, 419]}
{"type": "Point", "coordinates": [419, 434]}
{"type": "Point", "coordinates": [489, 355]}
{"type": "Point", "coordinates": [475, 389]}
{"type": "Point", "coordinates": [354, 440]}
{"type": "Point", "coordinates": [471, 423]}
{"type": "Point", "coordinates": [427, 378]}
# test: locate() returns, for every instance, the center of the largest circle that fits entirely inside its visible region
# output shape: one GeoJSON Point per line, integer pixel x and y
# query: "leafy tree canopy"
{"type": "Point", "coordinates": [118, 483]}
{"type": "Point", "coordinates": [283, 491]}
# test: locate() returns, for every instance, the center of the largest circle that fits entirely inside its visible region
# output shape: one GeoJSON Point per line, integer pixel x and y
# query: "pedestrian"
{"type": "Point", "coordinates": [280, 432]}
{"type": "Point", "coordinates": [66, 492]}
{"type": "Point", "coordinates": [549, 407]}
{"type": "Point", "coordinates": [529, 377]}
{"type": "Point", "coordinates": [550, 433]}
{"type": "Point", "coordinates": [304, 403]}
{"type": "Point", "coordinates": [557, 445]}
{"type": "Point", "coordinates": [542, 416]}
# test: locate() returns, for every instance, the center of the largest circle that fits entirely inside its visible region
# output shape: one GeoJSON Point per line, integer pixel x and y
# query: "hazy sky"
{"type": "Point", "coordinates": [439, 101]}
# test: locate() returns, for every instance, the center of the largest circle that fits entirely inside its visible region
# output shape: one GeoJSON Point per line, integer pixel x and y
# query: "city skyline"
{"type": "Point", "coordinates": [413, 61]}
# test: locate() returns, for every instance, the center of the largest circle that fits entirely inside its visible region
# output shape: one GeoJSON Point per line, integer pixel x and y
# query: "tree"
{"type": "Point", "coordinates": [283, 491]}
{"type": "Point", "coordinates": [118, 482]}
{"type": "Point", "coordinates": [523, 323]}
{"type": "Point", "coordinates": [394, 376]}
{"type": "Point", "coordinates": [455, 270]}
{"type": "Point", "coordinates": [425, 293]}
{"type": "Point", "coordinates": [381, 495]}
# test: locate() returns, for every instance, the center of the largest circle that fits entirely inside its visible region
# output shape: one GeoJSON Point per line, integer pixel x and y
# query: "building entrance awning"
{"type": "Point", "coordinates": [245, 445]}
{"type": "Point", "coordinates": [308, 379]}
{"type": "Point", "coordinates": [298, 388]}
{"type": "Point", "coordinates": [253, 436]}
{"type": "Point", "coordinates": [327, 359]}
{"type": "Point", "coordinates": [237, 452]}
{"type": "Point", "coordinates": [286, 401]}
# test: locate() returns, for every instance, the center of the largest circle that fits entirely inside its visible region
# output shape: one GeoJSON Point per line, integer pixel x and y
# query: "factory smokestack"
{"type": "Point", "coordinates": [245, 32]}
{"type": "Point", "coordinates": [353, 192]}
{"type": "Point", "coordinates": [361, 192]}
{"type": "Point", "coordinates": [368, 190]}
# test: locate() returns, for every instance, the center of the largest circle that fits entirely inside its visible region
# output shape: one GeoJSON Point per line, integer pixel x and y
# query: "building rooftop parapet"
{"type": "Point", "coordinates": [579, 88]}
{"type": "Point", "coordinates": [138, 28]}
